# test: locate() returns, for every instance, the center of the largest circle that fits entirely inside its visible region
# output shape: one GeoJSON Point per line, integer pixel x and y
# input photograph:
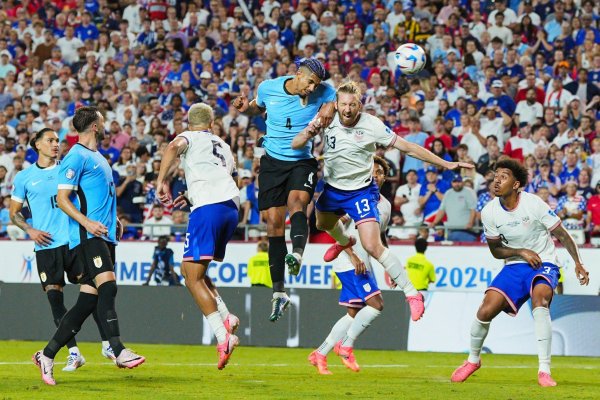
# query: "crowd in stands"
{"type": "Point", "coordinates": [503, 78]}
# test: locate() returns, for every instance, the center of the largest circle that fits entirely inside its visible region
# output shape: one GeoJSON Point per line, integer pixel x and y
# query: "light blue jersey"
{"type": "Point", "coordinates": [88, 174]}
{"type": "Point", "coordinates": [38, 186]}
{"type": "Point", "coordinates": [287, 116]}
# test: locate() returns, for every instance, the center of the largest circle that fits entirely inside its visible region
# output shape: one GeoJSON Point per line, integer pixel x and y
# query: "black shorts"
{"type": "Point", "coordinates": [53, 263]}
{"type": "Point", "coordinates": [95, 256]}
{"type": "Point", "coordinates": [277, 178]}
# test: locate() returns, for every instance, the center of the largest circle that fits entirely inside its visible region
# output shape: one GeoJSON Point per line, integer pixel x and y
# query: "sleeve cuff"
{"type": "Point", "coordinates": [67, 186]}
{"type": "Point", "coordinates": [17, 199]}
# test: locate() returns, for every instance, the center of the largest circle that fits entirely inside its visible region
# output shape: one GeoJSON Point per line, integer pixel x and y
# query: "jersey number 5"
{"type": "Point", "coordinates": [217, 153]}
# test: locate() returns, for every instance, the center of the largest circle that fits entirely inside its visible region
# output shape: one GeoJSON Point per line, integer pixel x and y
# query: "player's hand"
{"type": "Point", "coordinates": [325, 116]}
{"type": "Point", "coordinates": [241, 103]}
{"type": "Point", "coordinates": [163, 193]}
{"type": "Point", "coordinates": [181, 201]}
{"type": "Point", "coordinates": [314, 127]}
{"type": "Point", "coordinates": [532, 258]}
{"type": "Point", "coordinates": [41, 238]}
{"type": "Point", "coordinates": [96, 228]}
{"type": "Point", "coordinates": [459, 165]}
{"type": "Point", "coordinates": [582, 274]}
{"type": "Point", "coordinates": [359, 265]}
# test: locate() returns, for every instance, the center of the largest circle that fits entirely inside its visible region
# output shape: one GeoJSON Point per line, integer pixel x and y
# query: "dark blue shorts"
{"type": "Point", "coordinates": [210, 228]}
{"type": "Point", "coordinates": [357, 289]}
{"type": "Point", "coordinates": [360, 204]}
{"type": "Point", "coordinates": [516, 282]}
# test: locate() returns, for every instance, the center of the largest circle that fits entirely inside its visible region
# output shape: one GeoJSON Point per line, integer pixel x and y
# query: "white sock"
{"type": "Point", "coordinates": [216, 323]}
{"type": "Point", "coordinates": [362, 320]}
{"type": "Point", "coordinates": [479, 331]}
{"type": "Point", "coordinates": [105, 344]}
{"type": "Point", "coordinates": [336, 334]}
{"type": "Point", "coordinates": [338, 232]}
{"type": "Point", "coordinates": [396, 271]}
{"type": "Point", "coordinates": [543, 334]}
{"type": "Point", "coordinates": [222, 307]}
{"type": "Point", "coordinates": [74, 350]}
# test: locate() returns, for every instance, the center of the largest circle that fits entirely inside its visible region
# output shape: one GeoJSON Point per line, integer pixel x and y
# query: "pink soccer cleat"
{"type": "Point", "coordinates": [225, 349]}
{"type": "Point", "coordinates": [417, 307]}
{"type": "Point", "coordinates": [334, 251]}
{"type": "Point", "coordinates": [231, 323]}
{"type": "Point", "coordinates": [347, 356]}
{"type": "Point", "coordinates": [128, 359]}
{"type": "Point", "coordinates": [545, 380]}
{"type": "Point", "coordinates": [320, 361]}
{"type": "Point", "coordinates": [46, 366]}
{"type": "Point", "coordinates": [464, 371]}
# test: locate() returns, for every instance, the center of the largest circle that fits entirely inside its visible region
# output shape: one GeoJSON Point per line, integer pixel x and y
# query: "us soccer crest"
{"type": "Point", "coordinates": [367, 287]}
{"type": "Point", "coordinates": [98, 261]}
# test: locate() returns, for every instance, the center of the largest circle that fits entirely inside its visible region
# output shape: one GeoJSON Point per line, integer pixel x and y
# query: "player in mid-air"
{"type": "Point", "coordinates": [86, 193]}
{"type": "Point", "coordinates": [288, 176]}
{"type": "Point", "coordinates": [36, 185]}
{"type": "Point", "coordinates": [359, 292]}
{"type": "Point", "coordinates": [213, 193]}
{"type": "Point", "coordinates": [350, 142]}
{"type": "Point", "coordinates": [519, 228]}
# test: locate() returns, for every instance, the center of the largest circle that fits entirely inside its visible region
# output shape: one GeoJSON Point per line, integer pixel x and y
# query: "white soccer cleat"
{"type": "Point", "coordinates": [46, 366]}
{"type": "Point", "coordinates": [128, 359]}
{"type": "Point", "coordinates": [74, 361]}
{"type": "Point", "coordinates": [107, 352]}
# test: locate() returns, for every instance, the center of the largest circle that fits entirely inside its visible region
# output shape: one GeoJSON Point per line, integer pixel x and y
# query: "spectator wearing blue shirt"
{"type": "Point", "coordinates": [417, 136]}
{"type": "Point", "coordinates": [218, 62]}
{"type": "Point", "coordinates": [432, 194]}
{"type": "Point", "coordinates": [512, 68]}
{"type": "Point", "coordinates": [86, 30]}
{"type": "Point", "coordinates": [571, 171]}
{"type": "Point", "coordinates": [586, 21]}
{"type": "Point", "coordinates": [194, 67]}
{"type": "Point", "coordinates": [227, 47]}
{"type": "Point", "coordinates": [505, 102]}
{"type": "Point", "coordinates": [106, 149]}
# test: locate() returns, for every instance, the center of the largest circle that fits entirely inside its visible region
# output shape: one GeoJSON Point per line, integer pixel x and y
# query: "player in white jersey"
{"type": "Point", "coordinates": [360, 293]}
{"type": "Point", "coordinates": [350, 142]}
{"type": "Point", "coordinates": [209, 170]}
{"type": "Point", "coordinates": [518, 227]}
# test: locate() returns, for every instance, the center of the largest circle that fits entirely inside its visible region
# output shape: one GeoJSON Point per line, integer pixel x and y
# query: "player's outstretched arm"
{"type": "Point", "coordinates": [502, 252]}
{"type": "Point", "coordinates": [567, 240]}
{"type": "Point", "coordinates": [40, 237]}
{"type": "Point", "coordinates": [64, 203]}
{"type": "Point", "coordinates": [421, 153]}
{"type": "Point", "coordinates": [177, 147]}
{"type": "Point", "coordinates": [303, 137]}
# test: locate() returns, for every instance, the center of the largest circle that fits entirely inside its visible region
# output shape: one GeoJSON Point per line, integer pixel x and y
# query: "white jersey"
{"type": "Point", "coordinates": [209, 168]}
{"type": "Point", "coordinates": [528, 226]}
{"type": "Point", "coordinates": [342, 263]}
{"type": "Point", "coordinates": [349, 152]}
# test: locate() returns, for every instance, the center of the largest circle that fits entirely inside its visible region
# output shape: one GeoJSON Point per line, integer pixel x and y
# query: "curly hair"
{"type": "Point", "coordinates": [518, 170]}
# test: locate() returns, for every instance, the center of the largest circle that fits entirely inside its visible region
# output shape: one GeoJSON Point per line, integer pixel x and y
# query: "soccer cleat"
{"type": "Point", "coordinates": [347, 356]}
{"type": "Point", "coordinates": [464, 371]}
{"type": "Point", "coordinates": [334, 251]}
{"type": "Point", "coordinates": [128, 359]}
{"type": "Point", "coordinates": [46, 366]}
{"type": "Point", "coordinates": [231, 323]}
{"type": "Point", "coordinates": [545, 380]}
{"type": "Point", "coordinates": [107, 352]}
{"type": "Point", "coordinates": [417, 307]}
{"type": "Point", "coordinates": [225, 349]}
{"type": "Point", "coordinates": [320, 361]}
{"type": "Point", "coordinates": [74, 361]}
{"type": "Point", "coordinates": [294, 263]}
{"type": "Point", "coordinates": [279, 305]}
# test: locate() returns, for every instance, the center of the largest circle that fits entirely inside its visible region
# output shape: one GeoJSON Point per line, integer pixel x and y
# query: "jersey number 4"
{"type": "Point", "coordinates": [288, 123]}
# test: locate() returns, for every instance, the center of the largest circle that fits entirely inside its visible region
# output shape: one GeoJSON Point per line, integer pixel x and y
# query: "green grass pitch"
{"type": "Point", "coordinates": [189, 372]}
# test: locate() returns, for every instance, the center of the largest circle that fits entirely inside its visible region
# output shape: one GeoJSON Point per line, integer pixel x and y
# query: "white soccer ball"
{"type": "Point", "coordinates": [410, 58]}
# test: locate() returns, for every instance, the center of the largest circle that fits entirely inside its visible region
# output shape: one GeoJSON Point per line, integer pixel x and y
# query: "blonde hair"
{"type": "Point", "coordinates": [200, 114]}
{"type": "Point", "coordinates": [350, 87]}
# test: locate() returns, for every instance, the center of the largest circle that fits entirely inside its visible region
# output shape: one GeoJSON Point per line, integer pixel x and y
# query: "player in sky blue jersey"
{"type": "Point", "coordinates": [86, 194]}
{"type": "Point", "coordinates": [287, 176]}
{"type": "Point", "coordinates": [36, 185]}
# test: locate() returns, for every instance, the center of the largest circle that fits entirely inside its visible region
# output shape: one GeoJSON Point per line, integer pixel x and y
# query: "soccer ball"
{"type": "Point", "coordinates": [410, 58]}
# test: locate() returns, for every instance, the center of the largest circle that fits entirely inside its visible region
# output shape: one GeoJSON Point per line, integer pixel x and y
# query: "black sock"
{"type": "Point", "coordinates": [103, 335]}
{"type": "Point", "coordinates": [277, 253]}
{"type": "Point", "coordinates": [108, 316]}
{"type": "Point", "coordinates": [71, 323]}
{"type": "Point", "coordinates": [57, 305]}
{"type": "Point", "coordinates": [299, 232]}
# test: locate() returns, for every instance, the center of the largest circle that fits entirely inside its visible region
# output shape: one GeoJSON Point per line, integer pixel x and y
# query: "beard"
{"type": "Point", "coordinates": [99, 135]}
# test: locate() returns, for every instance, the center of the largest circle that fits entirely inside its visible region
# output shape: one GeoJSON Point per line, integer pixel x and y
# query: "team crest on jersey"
{"type": "Point", "coordinates": [70, 174]}
{"type": "Point", "coordinates": [43, 277]}
{"type": "Point", "coordinates": [525, 220]}
{"type": "Point", "coordinates": [98, 262]}
{"type": "Point", "coordinates": [367, 287]}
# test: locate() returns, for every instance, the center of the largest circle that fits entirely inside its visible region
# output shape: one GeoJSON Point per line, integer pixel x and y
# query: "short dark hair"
{"type": "Point", "coordinates": [518, 170]}
{"type": "Point", "coordinates": [84, 117]}
{"type": "Point", "coordinates": [384, 164]}
{"type": "Point", "coordinates": [421, 245]}
{"type": "Point", "coordinates": [38, 135]}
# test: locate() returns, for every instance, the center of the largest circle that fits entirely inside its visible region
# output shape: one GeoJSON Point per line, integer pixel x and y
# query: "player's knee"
{"type": "Point", "coordinates": [485, 313]}
{"type": "Point", "coordinates": [373, 248]}
{"type": "Point", "coordinates": [540, 301]}
{"type": "Point", "coordinates": [108, 289]}
{"type": "Point", "coordinates": [378, 303]}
